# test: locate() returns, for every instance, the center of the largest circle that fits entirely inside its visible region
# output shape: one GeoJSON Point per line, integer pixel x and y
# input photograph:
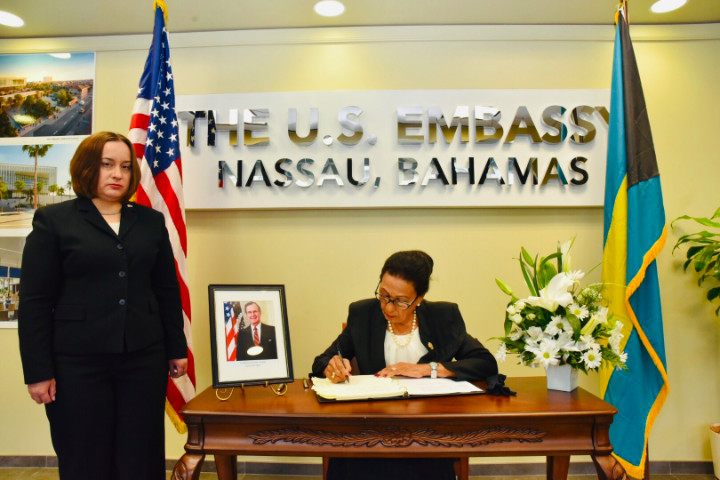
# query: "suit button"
{"type": "Point", "coordinates": [122, 274]}
{"type": "Point", "coordinates": [122, 301]}
{"type": "Point", "coordinates": [119, 247]}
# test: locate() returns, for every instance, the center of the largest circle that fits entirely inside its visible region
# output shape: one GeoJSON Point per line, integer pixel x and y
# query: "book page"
{"type": "Point", "coordinates": [358, 387]}
{"type": "Point", "coordinates": [436, 386]}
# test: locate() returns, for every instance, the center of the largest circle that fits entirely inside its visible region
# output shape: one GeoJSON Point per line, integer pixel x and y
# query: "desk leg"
{"type": "Point", "coordinates": [557, 467]}
{"type": "Point", "coordinates": [188, 467]}
{"type": "Point", "coordinates": [226, 467]}
{"type": "Point", "coordinates": [609, 468]}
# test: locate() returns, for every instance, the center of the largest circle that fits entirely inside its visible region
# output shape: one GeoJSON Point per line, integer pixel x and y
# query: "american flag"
{"type": "Point", "coordinates": [230, 332]}
{"type": "Point", "coordinates": [154, 134]}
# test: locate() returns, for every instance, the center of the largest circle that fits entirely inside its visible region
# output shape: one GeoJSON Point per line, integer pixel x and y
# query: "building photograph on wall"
{"type": "Point", "coordinates": [31, 177]}
{"type": "Point", "coordinates": [46, 95]}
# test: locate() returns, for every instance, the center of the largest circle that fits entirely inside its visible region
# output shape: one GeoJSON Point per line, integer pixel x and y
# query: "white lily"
{"type": "Point", "coordinates": [554, 294]}
{"type": "Point", "coordinates": [534, 335]}
{"type": "Point", "coordinates": [589, 327]}
{"type": "Point", "coordinates": [515, 332]}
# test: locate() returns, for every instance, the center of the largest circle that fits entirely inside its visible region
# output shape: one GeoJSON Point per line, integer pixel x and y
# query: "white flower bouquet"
{"type": "Point", "coordinates": [561, 322]}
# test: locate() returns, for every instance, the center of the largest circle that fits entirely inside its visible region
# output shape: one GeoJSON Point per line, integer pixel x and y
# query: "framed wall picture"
{"type": "Point", "coordinates": [249, 335]}
{"type": "Point", "coordinates": [48, 95]}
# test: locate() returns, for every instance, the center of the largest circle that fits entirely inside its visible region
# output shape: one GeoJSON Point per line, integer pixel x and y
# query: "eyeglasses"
{"type": "Point", "coordinates": [398, 303]}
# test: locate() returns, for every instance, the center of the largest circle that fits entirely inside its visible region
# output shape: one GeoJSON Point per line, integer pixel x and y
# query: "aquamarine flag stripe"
{"type": "Point", "coordinates": [616, 156]}
{"type": "Point", "coordinates": [633, 397]}
{"type": "Point", "coordinates": [633, 394]}
{"type": "Point", "coordinates": [646, 220]}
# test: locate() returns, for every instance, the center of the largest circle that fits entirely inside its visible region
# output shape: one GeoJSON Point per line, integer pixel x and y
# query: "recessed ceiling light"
{"type": "Point", "coordinates": [64, 56]}
{"type": "Point", "coordinates": [10, 20]}
{"type": "Point", "coordinates": [662, 6]}
{"type": "Point", "coordinates": [329, 8]}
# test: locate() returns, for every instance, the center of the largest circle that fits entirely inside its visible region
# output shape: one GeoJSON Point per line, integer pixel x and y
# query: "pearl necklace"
{"type": "Point", "coordinates": [409, 339]}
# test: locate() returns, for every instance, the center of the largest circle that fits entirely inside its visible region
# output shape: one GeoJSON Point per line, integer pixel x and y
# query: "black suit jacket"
{"type": "Point", "coordinates": [267, 342]}
{"type": "Point", "coordinates": [442, 331]}
{"type": "Point", "coordinates": [85, 290]}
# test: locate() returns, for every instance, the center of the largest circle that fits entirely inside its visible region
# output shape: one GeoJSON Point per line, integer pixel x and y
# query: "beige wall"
{"type": "Point", "coordinates": [327, 258]}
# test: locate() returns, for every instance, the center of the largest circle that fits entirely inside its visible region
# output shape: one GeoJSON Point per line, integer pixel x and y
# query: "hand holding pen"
{"type": "Point", "coordinates": [338, 369]}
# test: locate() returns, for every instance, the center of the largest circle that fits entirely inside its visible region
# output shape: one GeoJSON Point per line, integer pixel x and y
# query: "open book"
{"type": "Point", "coordinates": [365, 387]}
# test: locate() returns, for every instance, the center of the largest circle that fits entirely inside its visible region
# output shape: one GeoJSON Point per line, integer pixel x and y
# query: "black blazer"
{"type": "Point", "coordinates": [267, 342]}
{"type": "Point", "coordinates": [85, 290]}
{"type": "Point", "coordinates": [442, 331]}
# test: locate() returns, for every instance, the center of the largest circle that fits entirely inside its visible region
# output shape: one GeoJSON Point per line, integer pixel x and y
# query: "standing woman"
{"type": "Point", "coordinates": [100, 319]}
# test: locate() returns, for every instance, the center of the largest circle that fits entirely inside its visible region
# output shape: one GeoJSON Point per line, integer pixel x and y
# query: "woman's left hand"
{"type": "Point", "coordinates": [178, 367]}
{"type": "Point", "coordinates": [412, 370]}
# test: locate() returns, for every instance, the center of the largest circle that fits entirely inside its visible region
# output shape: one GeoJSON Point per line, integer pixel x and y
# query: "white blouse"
{"type": "Point", "coordinates": [409, 354]}
{"type": "Point", "coordinates": [115, 226]}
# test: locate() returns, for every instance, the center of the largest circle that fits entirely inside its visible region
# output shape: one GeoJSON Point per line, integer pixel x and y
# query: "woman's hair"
{"type": "Point", "coordinates": [85, 165]}
{"type": "Point", "coordinates": [413, 266]}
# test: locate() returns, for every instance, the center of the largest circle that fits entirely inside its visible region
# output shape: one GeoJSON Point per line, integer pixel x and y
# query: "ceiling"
{"type": "Point", "coordinates": [50, 18]}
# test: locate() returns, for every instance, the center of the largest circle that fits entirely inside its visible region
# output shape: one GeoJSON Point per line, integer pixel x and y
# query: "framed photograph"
{"type": "Point", "coordinates": [10, 259]}
{"type": "Point", "coordinates": [31, 177]}
{"type": "Point", "coordinates": [47, 95]}
{"type": "Point", "coordinates": [249, 335]}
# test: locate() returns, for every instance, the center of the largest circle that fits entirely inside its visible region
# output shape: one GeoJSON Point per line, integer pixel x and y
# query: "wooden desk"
{"type": "Point", "coordinates": [535, 422]}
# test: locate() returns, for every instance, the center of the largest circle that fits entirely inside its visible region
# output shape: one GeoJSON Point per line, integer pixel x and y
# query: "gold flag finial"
{"type": "Point", "coordinates": [622, 8]}
{"type": "Point", "coordinates": [163, 6]}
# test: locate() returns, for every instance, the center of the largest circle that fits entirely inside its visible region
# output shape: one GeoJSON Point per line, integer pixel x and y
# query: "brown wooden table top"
{"type": "Point", "coordinates": [538, 421]}
{"type": "Point", "coordinates": [532, 398]}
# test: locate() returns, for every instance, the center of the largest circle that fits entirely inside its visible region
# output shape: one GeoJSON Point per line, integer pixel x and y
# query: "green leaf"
{"type": "Point", "coordinates": [702, 258]}
{"type": "Point", "coordinates": [575, 324]}
{"type": "Point", "coordinates": [686, 265]}
{"type": "Point", "coordinates": [694, 250]}
{"type": "Point", "coordinates": [713, 293]}
{"type": "Point", "coordinates": [701, 220]}
{"type": "Point", "coordinates": [545, 261]}
{"type": "Point", "coordinates": [528, 279]}
{"type": "Point", "coordinates": [547, 272]}
{"type": "Point", "coordinates": [559, 259]}
{"type": "Point", "coordinates": [504, 287]}
{"type": "Point", "coordinates": [508, 325]}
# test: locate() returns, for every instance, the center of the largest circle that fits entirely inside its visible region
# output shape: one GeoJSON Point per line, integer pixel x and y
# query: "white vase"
{"type": "Point", "coordinates": [715, 447]}
{"type": "Point", "coordinates": [561, 377]}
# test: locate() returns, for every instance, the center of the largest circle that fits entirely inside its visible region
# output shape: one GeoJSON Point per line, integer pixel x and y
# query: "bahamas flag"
{"type": "Point", "coordinates": [635, 233]}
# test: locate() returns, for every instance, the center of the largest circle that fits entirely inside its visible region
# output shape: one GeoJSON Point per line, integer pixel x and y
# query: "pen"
{"type": "Point", "coordinates": [342, 361]}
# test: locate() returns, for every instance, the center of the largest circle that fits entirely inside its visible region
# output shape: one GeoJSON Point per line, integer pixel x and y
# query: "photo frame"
{"type": "Point", "coordinates": [46, 96]}
{"type": "Point", "coordinates": [240, 356]}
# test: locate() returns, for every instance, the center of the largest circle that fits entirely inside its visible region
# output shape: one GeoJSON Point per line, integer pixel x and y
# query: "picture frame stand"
{"type": "Point", "coordinates": [225, 398]}
{"type": "Point", "coordinates": [278, 389]}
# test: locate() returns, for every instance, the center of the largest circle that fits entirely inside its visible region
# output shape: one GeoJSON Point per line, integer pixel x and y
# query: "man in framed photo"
{"type": "Point", "coordinates": [257, 341]}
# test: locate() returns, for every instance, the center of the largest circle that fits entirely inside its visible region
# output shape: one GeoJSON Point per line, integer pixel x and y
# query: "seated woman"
{"type": "Point", "coordinates": [397, 333]}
